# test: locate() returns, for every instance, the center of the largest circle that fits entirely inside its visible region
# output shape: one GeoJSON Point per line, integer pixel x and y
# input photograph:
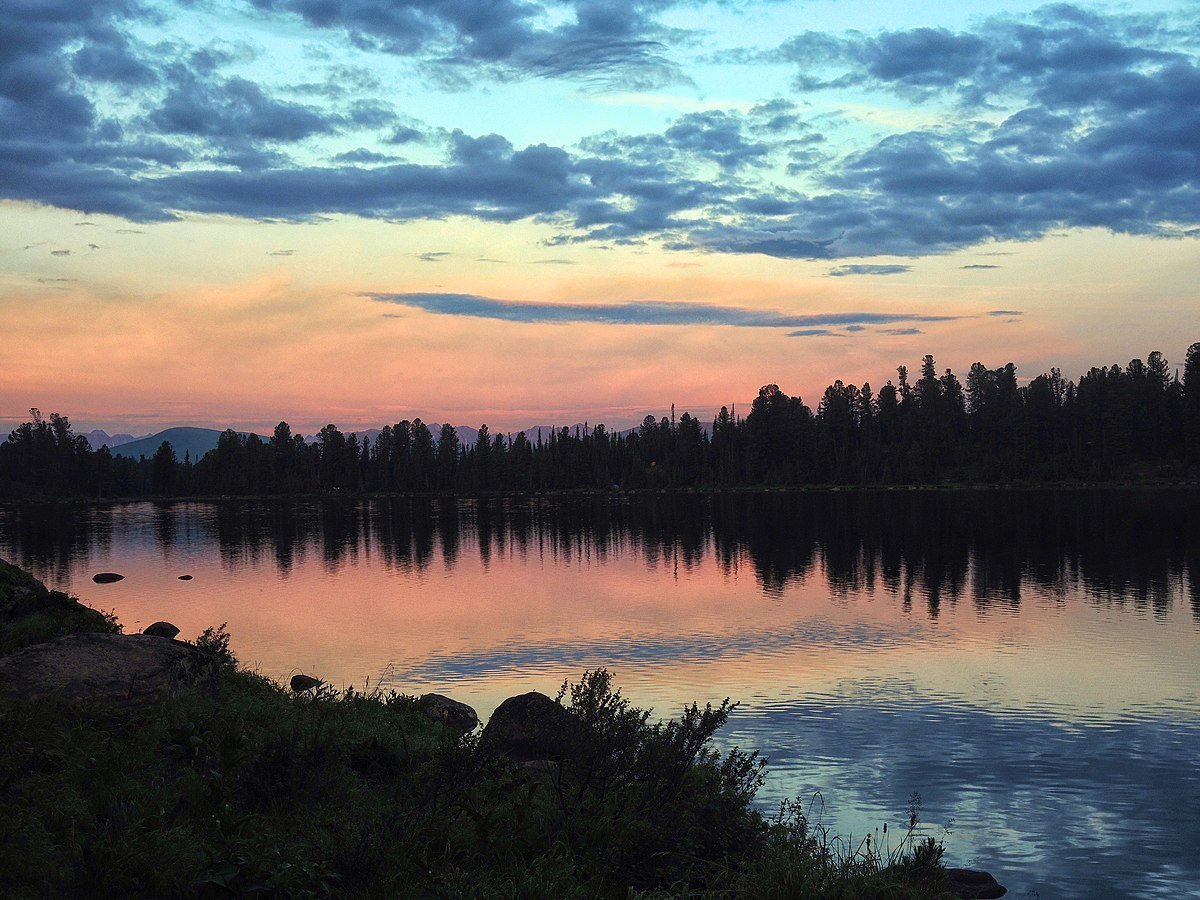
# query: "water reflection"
{"type": "Point", "coordinates": [1100, 809]}
{"type": "Point", "coordinates": [1029, 661]}
{"type": "Point", "coordinates": [1138, 548]}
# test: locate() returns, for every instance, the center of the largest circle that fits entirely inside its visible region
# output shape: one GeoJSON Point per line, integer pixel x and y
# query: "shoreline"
{"type": "Point", "coordinates": [211, 778]}
{"type": "Point", "coordinates": [566, 493]}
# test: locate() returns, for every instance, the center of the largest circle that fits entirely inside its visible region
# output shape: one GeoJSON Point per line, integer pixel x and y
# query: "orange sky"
{"type": "Point", "coordinates": [196, 322]}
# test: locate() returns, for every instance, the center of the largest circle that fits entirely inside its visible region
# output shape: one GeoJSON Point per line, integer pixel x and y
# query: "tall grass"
{"type": "Point", "coordinates": [255, 791]}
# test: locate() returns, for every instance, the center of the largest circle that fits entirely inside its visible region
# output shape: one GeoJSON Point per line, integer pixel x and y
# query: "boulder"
{"type": "Point", "coordinates": [530, 727]}
{"type": "Point", "coordinates": [301, 683]}
{"type": "Point", "coordinates": [29, 613]}
{"type": "Point", "coordinates": [546, 771]}
{"type": "Point", "coordinates": [118, 670]}
{"type": "Point", "coordinates": [161, 629]}
{"type": "Point", "coordinates": [107, 577]}
{"type": "Point", "coordinates": [451, 713]}
{"type": "Point", "coordinates": [971, 884]}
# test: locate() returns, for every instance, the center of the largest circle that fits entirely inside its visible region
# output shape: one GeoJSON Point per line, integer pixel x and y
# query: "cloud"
{"type": "Point", "coordinates": [900, 331]}
{"type": "Point", "coordinates": [863, 269]}
{"type": "Point", "coordinates": [280, 252]}
{"type": "Point", "coordinates": [1091, 123]}
{"type": "Point", "coordinates": [1005, 312]}
{"type": "Point", "coordinates": [635, 312]}
{"type": "Point", "coordinates": [618, 44]}
{"type": "Point", "coordinates": [433, 255]}
{"type": "Point", "coordinates": [60, 252]}
{"type": "Point", "coordinates": [233, 110]}
{"type": "Point", "coordinates": [365, 156]}
{"type": "Point", "coordinates": [404, 134]}
{"type": "Point", "coordinates": [979, 266]}
{"type": "Point", "coordinates": [814, 332]}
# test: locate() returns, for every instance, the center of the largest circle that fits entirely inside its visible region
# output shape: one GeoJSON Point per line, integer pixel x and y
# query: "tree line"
{"type": "Point", "coordinates": [1136, 421]}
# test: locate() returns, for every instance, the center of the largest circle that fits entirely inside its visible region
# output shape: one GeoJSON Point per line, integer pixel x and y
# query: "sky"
{"type": "Point", "coordinates": [515, 212]}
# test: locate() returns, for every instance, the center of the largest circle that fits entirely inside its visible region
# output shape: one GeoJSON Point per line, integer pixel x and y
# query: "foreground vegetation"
{"type": "Point", "coordinates": [251, 790]}
{"type": "Point", "coordinates": [1138, 422]}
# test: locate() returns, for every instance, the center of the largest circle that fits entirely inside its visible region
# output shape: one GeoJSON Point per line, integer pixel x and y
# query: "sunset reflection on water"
{"type": "Point", "coordinates": [1028, 662]}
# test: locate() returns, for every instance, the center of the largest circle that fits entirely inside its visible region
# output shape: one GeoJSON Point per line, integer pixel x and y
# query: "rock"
{"type": "Point", "coordinates": [185, 577]}
{"type": "Point", "coordinates": [161, 629]}
{"type": "Point", "coordinates": [29, 613]}
{"type": "Point", "coordinates": [530, 727]}
{"type": "Point", "coordinates": [451, 713]}
{"type": "Point", "coordinates": [107, 577]}
{"type": "Point", "coordinates": [118, 670]}
{"type": "Point", "coordinates": [971, 884]}
{"type": "Point", "coordinates": [301, 683]}
{"type": "Point", "coordinates": [547, 771]}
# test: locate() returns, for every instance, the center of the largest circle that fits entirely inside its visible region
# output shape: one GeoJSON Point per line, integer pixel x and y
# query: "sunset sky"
{"type": "Point", "coordinates": [228, 212]}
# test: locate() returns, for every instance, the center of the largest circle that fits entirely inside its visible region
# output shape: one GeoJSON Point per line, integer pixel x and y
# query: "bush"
{"type": "Point", "coordinates": [256, 791]}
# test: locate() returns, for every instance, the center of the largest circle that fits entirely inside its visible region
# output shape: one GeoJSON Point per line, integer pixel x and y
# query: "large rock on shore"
{"type": "Point", "coordinates": [123, 671]}
{"type": "Point", "coordinates": [452, 713]}
{"type": "Point", "coordinates": [530, 727]}
{"type": "Point", "coordinates": [971, 884]}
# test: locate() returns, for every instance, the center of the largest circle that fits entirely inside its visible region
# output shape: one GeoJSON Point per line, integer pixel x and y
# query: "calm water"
{"type": "Point", "coordinates": [1028, 662]}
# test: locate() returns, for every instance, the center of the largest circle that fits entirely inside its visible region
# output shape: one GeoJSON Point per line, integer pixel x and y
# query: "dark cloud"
{"type": "Point", "coordinates": [1102, 131]}
{"type": "Point", "coordinates": [1006, 312]}
{"type": "Point", "coordinates": [979, 266]}
{"type": "Point", "coordinates": [280, 252]}
{"type": "Point", "coordinates": [900, 331]}
{"type": "Point", "coordinates": [433, 255]}
{"type": "Point", "coordinates": [1059, 54]}
{"type": "Point", "coordinates": [110, 57]}
{"type": "Point", "coordinates": [485, 178]}
{"type": "Point", "coordinates": [60, 252]}
{"type": "Point", "coordinates": [867, 269]}
{"type": "Point", "coordinates": [363, 155]}
{"type": "Point", "coordinates": [635, 312]}
{"type": "Point", "coordinates": [233, 109]}
{"type": "Point", "coordinates": [404, 134]}
{"type": "Point", "coordinates": [814, 332]}
{"type": "Point", "coordinates": [606, 42]}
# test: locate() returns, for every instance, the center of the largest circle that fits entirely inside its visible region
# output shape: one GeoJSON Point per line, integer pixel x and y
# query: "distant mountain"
{"type": "Point", "coordinates": [198, 441]}
{"type": "Point", "coordinates": [193, 441]}
{"type": "Point", "coordinates": [98, 438]}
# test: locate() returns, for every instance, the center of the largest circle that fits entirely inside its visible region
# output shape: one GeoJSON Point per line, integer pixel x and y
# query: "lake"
{"type": "Point", "coordinates": [1027, 662]}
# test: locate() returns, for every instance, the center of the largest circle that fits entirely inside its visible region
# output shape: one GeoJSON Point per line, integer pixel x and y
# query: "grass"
{"type": "Point", "coordinates": [254, 791]}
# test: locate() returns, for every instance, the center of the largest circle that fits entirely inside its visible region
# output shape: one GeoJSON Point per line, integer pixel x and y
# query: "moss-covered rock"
{"type": "Point", "coordinates": [30, 613]}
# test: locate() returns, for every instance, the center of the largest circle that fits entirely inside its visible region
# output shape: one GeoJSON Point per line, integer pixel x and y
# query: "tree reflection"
{"type": "Point", "coordinates": [1125, 548]}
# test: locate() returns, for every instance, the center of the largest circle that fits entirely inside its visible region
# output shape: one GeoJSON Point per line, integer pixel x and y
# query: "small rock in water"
{"type": "Point", "coordinates": [161, 629]}
{"type": "Point", "coordinates": [185, 577]}
{"type": "Point", "coordinates": [301, 683]}
{"type": "Point", "coordinates": [451, 713]}
{"type": "Point", "coordinates": [106, 577]}
{"type": "Point", "coordinates": [971, 884]}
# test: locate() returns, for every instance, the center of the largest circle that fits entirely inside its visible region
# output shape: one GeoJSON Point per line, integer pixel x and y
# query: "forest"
{"type": "Point", "coordinates": [1137, 422]}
